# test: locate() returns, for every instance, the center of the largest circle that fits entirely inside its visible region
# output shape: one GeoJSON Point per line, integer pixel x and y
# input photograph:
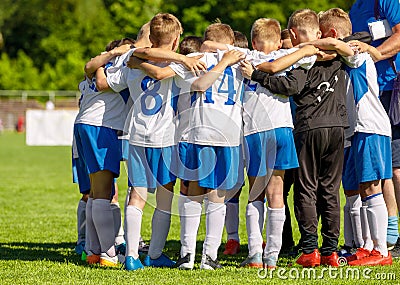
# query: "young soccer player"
{"type": "Point", "coordinates": [319, 126]}
{"type": "Point", "coordinates": [190, 44]}
{"type": "Point", "coordinates": [151, 149]}
{"type": "Point", "coordinates": [95, 132]}
{"type": "Point", "coordinates": [368, 159]}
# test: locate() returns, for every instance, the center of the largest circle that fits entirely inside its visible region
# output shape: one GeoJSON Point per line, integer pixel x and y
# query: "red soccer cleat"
{"type": "Point", "coordinates": [93, 258]}
{"type": "Point", "coordinates": [331, 260]}
{"type": "Point", "coordinates": [360, 254]}
{"type": "Point", "coordinates": [375, 258]}
{"type": "Point", "coordinates": [232, 247]}
{"type": "Point", "coordinates": [309, 260]}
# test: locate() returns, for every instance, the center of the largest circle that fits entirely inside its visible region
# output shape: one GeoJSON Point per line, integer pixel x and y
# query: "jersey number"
{"type": "Point", "coordinates": [228, 76]}
{"type": "Point", "coordinates": [150, 87]}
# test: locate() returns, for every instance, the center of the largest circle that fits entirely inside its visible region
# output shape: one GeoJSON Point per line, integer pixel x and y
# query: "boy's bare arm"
{"type": "Point", "coordinates": [159, 54]}
{"type": "Point", "coordinates": [339, 46]}
{"type": "Point", "coordinates": [363, 47]}
{"type": "Point", "coordinates": [286, 61]}
{"type": "Point", "coordinates": [101, 79]}
{"type": "Point", "coordinates": [211, 46]}
{"type": "Point", "coordinates": [156, 72]}
{"type": "Point", "coordinates": [103, 58]}
{"type": "Point", "coordinates": [205, 81]}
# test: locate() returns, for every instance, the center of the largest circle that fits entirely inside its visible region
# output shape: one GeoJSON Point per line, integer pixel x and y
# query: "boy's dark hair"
{"type": "Point", "coordinates": [190, 44]}
{"type": "Point", "coordinates": [116, 43]}
{"type": "Point", "coordinates": [240, 40]}
{"type": "Point", "coordinates": [285, 34]}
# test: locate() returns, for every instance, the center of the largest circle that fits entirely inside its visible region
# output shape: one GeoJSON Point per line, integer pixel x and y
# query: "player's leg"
{"type": "Point", "coordinates": [232, 245]}
{"type": "Point", "coordinates": [287, 233]}
{"type": "Point", "coordinates": [120, 245]}
{"type": "Point", "coordinates": [391, 205]}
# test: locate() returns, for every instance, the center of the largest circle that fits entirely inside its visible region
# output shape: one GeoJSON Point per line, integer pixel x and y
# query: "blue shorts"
{"type": "Point", "coordinates": [124, 145]}
{"type": "Point", "coordinates": [367, 159]}
{"type": "Point", "coordinates": [182, 159]}
{"type": "Point", "coordinates": [80, 175]}
{"type": "Point", "coordinates": [273, 149]}
{"type": "Point", "coordinates": [98, 147]}
{"type": "Point", "coordinates": [151, 167]}
{"type": "Point", "coordinates": [215, 167]}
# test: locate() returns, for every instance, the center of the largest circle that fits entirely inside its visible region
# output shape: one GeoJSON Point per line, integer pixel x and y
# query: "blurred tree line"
{"type": "Point", "coordinates": [45, 44]}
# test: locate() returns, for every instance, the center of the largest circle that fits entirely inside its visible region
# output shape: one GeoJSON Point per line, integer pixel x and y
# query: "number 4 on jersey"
{"type": "Point", "coordinates": [230, 90]}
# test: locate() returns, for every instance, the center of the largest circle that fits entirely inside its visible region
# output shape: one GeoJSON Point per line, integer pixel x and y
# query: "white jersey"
{"type": "Point", "coordinates": [102, 108]}
{"type": "Point", "coordinates": [264, 110]}
{"type": "Point", "coordinates": [366, 112]}
{"type": "Point", "coordinates": [216, 115]}
{"type": "Point", "coordinates": [152, 114]}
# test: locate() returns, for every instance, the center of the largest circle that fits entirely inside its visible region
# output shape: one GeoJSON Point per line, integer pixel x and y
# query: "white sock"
{"type": "Point", "coordinates": [275, 220]}
{"type": "Point", "coordinates": [254, 225]}
{"type": "Point", "coordinates": [181, 201]}
{"type": "Point", "coordinates": [355, 218]}
{"type": "Point", "coordinates": [232, 221]}
{"type": "Point", "coordinates": [378, 220]}
{"type": "Point", "coordinates": [191, 213]}
{"type": "Point", "coordinates": [118, 229]}
{"type": "Point", "coordinates": [104, 222]}
{"type": "Point", "coordinates": [368, 244]}
{"type": "Point", "coordinates": [215, 220]}
{"type": "Point", "coordinates": [133, 224]}
{"type": "Point", "coordinates": [81, 220]}
{"type": "Point", "coordinates": [159, 232]}
{"type": "Point", "coordinates": [128, 194]}
{"type": "Point", "coordinates": [92, 241]}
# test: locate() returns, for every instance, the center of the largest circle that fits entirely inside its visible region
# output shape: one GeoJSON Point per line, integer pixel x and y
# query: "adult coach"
{"type": "Point", "coordinates": [362, 13]}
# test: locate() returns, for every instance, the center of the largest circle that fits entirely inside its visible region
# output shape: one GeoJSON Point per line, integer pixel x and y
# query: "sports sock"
{"type": "Point", "coordinates": [215, 219]}
{"type": "Point", "coordinates": [275, 220]}
{"type": "Point", "coordinates": [355, 218]}
{"type": "Point", "coordinates": [132, 231]}
{"type": "Point", "coordinates": [181, 201]}
{"type": "Point", "coordinates": [159, 232]}
{"type": "Point", "coordinates": [81, 220]}
{"type": "Point", "coordinates": [92, 240]}
{"type": "Point", "coordinates": [104, 222]}
{"type": "Point", "coordinates": [378, 220]}
{"type": "Point", "coordinates": [393, 230]}
{"type": "Point", "coordinates": [254, 226]}
{"type": "Point", "coordinates": [367, 241]}
{"type": "Point", "coordinates": [232, 219]}
{"type": "Point", "coordinates": [191, 213]}
{"type": "Point", "coordinates": [348, 229]}
{"type": "Point", "coordinates": [118, 229]}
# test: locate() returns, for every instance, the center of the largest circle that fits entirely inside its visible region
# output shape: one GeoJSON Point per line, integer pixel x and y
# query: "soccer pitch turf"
{"type": "Point", "coordinates": [38, 232]}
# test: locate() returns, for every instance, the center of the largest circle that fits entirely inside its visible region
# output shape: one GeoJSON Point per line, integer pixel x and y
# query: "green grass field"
{"type": "Point", "coordinates": [38, 232]}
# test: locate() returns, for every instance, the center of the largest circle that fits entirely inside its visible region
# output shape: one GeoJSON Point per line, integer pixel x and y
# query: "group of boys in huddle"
{"type": "Point", "coordinates": [214, 110]}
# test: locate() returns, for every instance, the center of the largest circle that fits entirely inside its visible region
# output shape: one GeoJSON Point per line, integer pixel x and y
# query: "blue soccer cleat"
{"type": "Point", "coordinates": [133, 264]}
{"type": "Point", "coordinates": [79, 248]}
{"type": "Point", "coordinates": [162, 261]}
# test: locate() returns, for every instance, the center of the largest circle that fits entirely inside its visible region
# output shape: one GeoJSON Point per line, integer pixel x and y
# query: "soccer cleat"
{"type": "Point", "coordinates": [375, 258]}
{"type": "Point", "coordinates": [186, 262]}
{"type": "Point", "coordinates": [209, 264]}
{"type": "Point", "coordinates": [395, 251]}
{"type": "Point", "coordinates": [254, 261]}
{"type": "Point", "coordinates": [108, 261]}
{"type": "Point", "coordinates": [330, 260]}
{"type": "Point", "coordinates": [80, 247]}
{"type": "Point", "coordinates": [92, 258]}
{"type": "Point", "coordinates": [269, 262]}
{"type": "Point", "coordinates": [360, 254]}
{"type": "Point", "coordinates": [309, 259]}
{"type": "Point", "coordinates": [120, 248]}
{"type": "Point", "coordinates": [232, 247]}
{"type": "Point", "coordinates": [162, 261]}
{"type": "Point", "coordinates": [346, 251]}
{"type": "Point", "coordinates": [133, 264]}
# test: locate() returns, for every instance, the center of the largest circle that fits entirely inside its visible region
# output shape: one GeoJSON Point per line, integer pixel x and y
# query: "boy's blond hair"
{"type": "Point", "coordinates": [338, 19]}
{"type": "Point", "coordinates": [219, 32]}
{"type": "Point", "coordinates": [264, 29]}
{"type": "Point", "coordinates": [304, 20]}
{"type": "Point", "coordinates": [164, 28]}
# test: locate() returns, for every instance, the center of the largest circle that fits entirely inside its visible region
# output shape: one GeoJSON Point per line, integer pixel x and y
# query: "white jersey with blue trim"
{"type": "Point", "coordinates": [216, 114]}
{"type": "Point", "coordinates": [366, 112]}
{"type": "Point", "coordinates": [151, 119]}
{"type": "Point", "coordinates": [102, 108]}
{"type": "Point", "coordinates": [264, 110]}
